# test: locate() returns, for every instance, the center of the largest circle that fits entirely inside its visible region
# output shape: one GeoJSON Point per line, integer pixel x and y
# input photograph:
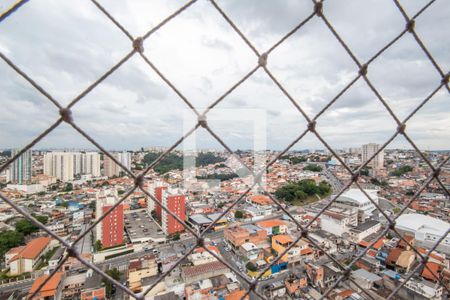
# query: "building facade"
{"type": "Point", "coordinates": [20, 169]}
{"type": "Point", "coordinates": [370, 149]}
{"type": "Point", "coordinates": [176, 203]}
{"type": "Point", "coordinates": [111, 168]}
{"type": "Point", "coordinates": [65, 165]}
{"type": "Point", "coordinates": [110, 230]}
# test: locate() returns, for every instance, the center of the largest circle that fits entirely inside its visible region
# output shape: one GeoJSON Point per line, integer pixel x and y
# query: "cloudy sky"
{"type": "Point", "coordinates": [65, 47]}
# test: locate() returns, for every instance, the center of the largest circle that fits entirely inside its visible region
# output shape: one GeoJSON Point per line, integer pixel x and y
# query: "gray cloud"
{"type": "Point", "coordinates": [65, 50]}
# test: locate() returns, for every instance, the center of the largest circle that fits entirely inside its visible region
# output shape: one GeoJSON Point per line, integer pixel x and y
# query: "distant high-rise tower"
{"type": "Point", "coordinates": [176, 203]}
{"type": "Point", "coordinates": [111, 168]}
{"type": "Point", "coordinates": [90, 163]}
{"type": "Point", "coordinates": [60, 165]}
{"type": "Point", "coordinates": [65, 165]}
{"type": "Point", "coordinates": [20, 169]}
{"type": "Point", "coordinates": [370, 149]}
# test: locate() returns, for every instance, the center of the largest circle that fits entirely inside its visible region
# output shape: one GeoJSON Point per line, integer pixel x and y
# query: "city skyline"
{"type": "Point", "coordinates": [132, 102]}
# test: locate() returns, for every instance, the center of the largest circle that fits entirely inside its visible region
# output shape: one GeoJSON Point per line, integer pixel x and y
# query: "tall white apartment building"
{"type": "Point", "coordinates": [90, 164]}
{"type": "Point", "coordinates": [113, 169]}
{"type": "Point", "coordinates": [367, 151]}
{"type": "Point", "coordinates": [20, 169]}
{"type": "Point", "coordinates": [59, 165]}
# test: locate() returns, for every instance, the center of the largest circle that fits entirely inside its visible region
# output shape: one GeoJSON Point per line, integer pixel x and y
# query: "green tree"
{"type": "Point", "coordinates": [10, 239]}
{"type": "Point", "coordinates": [42, 219]}
{"type": "Point", "coordinates": [251, 267]}
{"type": "Point", "coordinates": [401, 171]}
{"type": "Point", "coordinates": [25, 227]}
{"type": "Point", "coordinates": [364, 172]}
{"type": "Point", "coordinates": [302, 189]}
{"type": "Point", "coordinates": [68, 187]}
{"type": "Point", "coordinates": [238, 214]}
{"type": "Point", "coordinates": [98, 246]}
{"type": "Point", "coordinates": [313, 168]}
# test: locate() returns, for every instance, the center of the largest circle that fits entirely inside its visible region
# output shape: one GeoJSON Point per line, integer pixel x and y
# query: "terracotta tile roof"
{"type": "Point", "coordinates": [378, 244]}
{"type": "Point", "coordinates": [433, 255]}
{"type": "Point", "coordinates": [210, 247]}
{"type": "Point", "coordinates": [203, 268]}
{"type": "Point", "coordinates": [236, 295]}
{"type": "Point", "coordinates": [261, 199]}
{"type": "Point", "coordinates": [393, 255]}
{"type": "Point", "coordinates": [49, 289]}
{"type": "Point", "coordinates": [33, 248]}
{"type": "Point", "coordinates": [283, 238]}
{"type": "Point", "coordinates": [435, 269]}
{"type": "Point", "coordinates": [271, 223]}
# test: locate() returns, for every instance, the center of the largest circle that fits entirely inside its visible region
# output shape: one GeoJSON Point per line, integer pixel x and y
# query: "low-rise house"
{"type": "Point", "coordinates": [364, 230]}
{"type": "Point", "coordinates": [139, 269]}
{"type": "Point", "coordinates": [405, 261]}
{"type": "Point", "coordinates": [239, 235]}
{"type": "Point", "coordinates": [273, 227]}
{"type": "Point", "coordinates": [196, 273]}
{"type": "Point", "coordinates": [296, 253]}
{"type": "Point", "coordinates": [73, 285]}
{"type": "Point", "coordinates": [367, 280]}
{"type": "Point", "coordinates": [52, 290]}
{"type": "Point", "coordinates": [425, 288]}
{"type": "Point", "coordinates": [93, 293]}
{"type": "Point", "coordinates": [28, 256]}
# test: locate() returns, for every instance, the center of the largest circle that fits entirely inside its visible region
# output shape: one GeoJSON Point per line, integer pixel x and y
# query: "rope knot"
{"type": "Point", "coordinates": [66, 115]}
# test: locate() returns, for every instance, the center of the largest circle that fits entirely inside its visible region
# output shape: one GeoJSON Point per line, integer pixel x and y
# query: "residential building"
{"type": "Point", "coordinates": [273, 227]}
{"type": "Point", "coordinates": [238, 235]}
{"type": "Point", "coordinates": [370, 149]}
{"type": "Point", "coordinates": [20, 169]}
{"type": "Point", "coordinates": [111, 168]}
{"type": "Point", "coordinates": [338, 221]}
{"type": "Point", "coordinates": [59, 165]}
{"type": "Point", "coordinates": [364, 230]}
{"type": "Point", "coordinates": [139, 269]}
{"type": "Point", "coordinates": [157, 189]}
{"type": "Point", "coordinates": [65, 165]}
{"type": "Point", "coordinates": [201, 272]}
{"type": "Point", "coordinates": [110, 230]}
{"type": "Point", "coordinates": [51, 290]}
{"type": "Point", "coordinates": [93, 294]}
{"type": "Point", "coordinates": [90, 164]}
{"type": "Point", "coordinates": [283, 241]}
{"type": "Point", "coordinates": [175, 202]}
{"type": "Point", "coordinates": [24, 259]}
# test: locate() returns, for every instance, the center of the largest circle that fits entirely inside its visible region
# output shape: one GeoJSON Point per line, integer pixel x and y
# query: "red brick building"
{"type": "Point", "coordinates": [112, 226]}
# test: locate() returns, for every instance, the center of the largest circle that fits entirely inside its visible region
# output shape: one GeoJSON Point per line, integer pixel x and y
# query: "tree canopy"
{"type": "Point", "coordinates": [401, 171]}
{"type": "Point", "coordinates": [313, 168]}
{"type": "Point", "coordinates": [302, 189]}
{"type": "Point", "coordinates": [173, 161]}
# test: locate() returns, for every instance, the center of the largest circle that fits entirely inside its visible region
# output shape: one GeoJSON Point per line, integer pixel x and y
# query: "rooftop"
{"type": "Point", "coordinates": [49, 289]}
{"type": "Point", "coordinates": [419, 222]}
{"type": "Point", "coordinates": [33, 248]}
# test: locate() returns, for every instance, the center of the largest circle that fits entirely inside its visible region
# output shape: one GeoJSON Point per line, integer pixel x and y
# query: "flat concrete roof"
{"type": "Point", "coordinates": [141, 228]}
